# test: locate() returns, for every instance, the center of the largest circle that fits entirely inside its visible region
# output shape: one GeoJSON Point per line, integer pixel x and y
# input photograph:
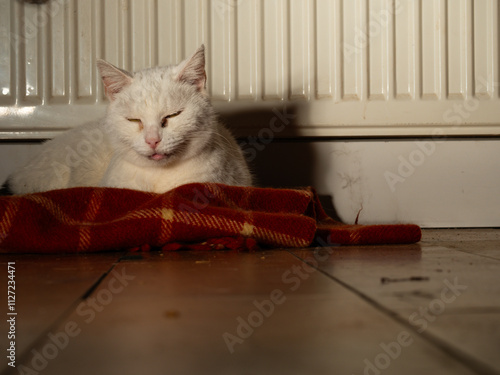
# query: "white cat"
{"type": "Point", "coordinates": [160, 132]}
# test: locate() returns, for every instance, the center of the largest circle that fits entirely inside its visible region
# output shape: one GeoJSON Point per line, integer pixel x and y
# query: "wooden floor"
{"type": "Point", "coordinates": [430, 308]}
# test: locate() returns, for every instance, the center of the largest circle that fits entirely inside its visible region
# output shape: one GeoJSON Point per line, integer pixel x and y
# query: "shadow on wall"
{"type": "Point", "coordinates": [278, 156]}
{"type": "Point", "coordinates": [272, 146]}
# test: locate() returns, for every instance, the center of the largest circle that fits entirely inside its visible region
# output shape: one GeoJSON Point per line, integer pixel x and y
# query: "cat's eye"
{"type": "Point", "coordinates": [164, 120]}
{"type": "Point", "coordinates": [138, 121]}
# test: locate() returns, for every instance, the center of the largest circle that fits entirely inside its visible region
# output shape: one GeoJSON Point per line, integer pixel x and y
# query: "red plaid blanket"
{"type": "Point", "coordinates": [194, 216]}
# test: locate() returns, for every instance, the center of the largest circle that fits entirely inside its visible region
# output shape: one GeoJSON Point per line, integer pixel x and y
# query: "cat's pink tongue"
{"type": "Point", "coordinates": [157, 156]}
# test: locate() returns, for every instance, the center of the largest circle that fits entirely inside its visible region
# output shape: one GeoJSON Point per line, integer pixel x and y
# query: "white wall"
{"type": "Point", "coordinates": [453, 183]}
{"type": "Point", "coordinates": [14, 155]}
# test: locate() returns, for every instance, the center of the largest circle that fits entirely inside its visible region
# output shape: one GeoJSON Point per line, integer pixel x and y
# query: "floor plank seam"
{"type": "Point", "coordinates": [480, 255]}
{"type": "Point", "coordinates": [44, 336]}
{"type": "Point", "coordinates": [464, 358]}
{"type": "Point", "coordinates": [99, 281]}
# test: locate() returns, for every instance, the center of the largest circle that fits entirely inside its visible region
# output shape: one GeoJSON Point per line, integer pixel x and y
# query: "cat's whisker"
{"type": "Point", "coordinates": [219, 137]}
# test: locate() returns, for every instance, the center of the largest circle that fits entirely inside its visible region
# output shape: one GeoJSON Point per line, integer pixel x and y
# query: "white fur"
{"type": "Point", "coordinates": [118, 152]}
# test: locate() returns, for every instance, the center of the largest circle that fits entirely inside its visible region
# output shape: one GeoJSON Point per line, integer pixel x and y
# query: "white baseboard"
{"type": "Point", "coordinates": [453, 183]}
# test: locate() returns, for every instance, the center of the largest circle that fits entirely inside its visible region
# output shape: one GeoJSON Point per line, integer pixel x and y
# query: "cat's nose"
{"type": "Point", "coordinates": [153, 142]}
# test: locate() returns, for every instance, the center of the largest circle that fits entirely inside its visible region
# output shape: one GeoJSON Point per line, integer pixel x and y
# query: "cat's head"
{"type": "Point", "coordinates": [162, 114]}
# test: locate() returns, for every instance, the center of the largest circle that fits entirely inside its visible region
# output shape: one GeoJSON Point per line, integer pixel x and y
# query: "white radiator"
{"type": "Point", "coordinates": [344, 67]}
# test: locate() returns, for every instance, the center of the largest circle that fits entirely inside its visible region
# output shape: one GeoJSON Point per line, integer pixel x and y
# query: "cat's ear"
{"type": "Point", "coordinates": [192, 70]}
{"type": "Point", "coordinates": [114, 79]}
